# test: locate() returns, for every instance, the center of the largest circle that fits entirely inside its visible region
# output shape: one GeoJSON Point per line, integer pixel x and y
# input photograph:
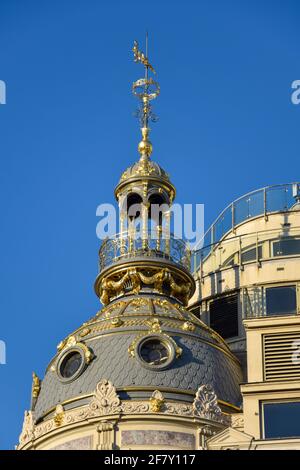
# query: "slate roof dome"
{"type": "Point", "coordinates": [127, 342]}
{"type": "Point", "coordinates": [148, 168]}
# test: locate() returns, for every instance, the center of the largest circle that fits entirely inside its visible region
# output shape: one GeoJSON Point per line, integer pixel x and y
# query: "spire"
{"type": "Point", "coordinates": [145, 89]}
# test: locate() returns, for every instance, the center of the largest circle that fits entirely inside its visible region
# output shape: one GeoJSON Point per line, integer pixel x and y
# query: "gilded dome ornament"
{"type": "Point", "coordinates": [156, 401]}
{"type": "Point", "coordinates": [85, 332]}
{"type": "Point", "coordinates": [36, 385]}
{"type": "Point", "coordinates": [59, 415]}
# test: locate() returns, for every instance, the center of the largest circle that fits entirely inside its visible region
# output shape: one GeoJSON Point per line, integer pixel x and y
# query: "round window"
{"type": "Point", "coordinates": [71, 365]}
{"type": "Point", "coordinates": [155, 352]}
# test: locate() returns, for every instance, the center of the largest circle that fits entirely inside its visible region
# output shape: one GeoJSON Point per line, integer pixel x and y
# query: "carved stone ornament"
{"type": "Point", "coordinates": [206, 406]}
{"type": "Point", "coordinates": [106, 431]}
{"type": "Point", "coordinates": [237, 421]}
{"type": "Point", "coordinates": [27, 433]}
{"type": "Point", "coordinates": [106, 400]}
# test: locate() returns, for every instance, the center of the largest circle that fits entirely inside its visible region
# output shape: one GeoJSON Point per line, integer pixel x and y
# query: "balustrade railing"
{"type": "Point", "coordinates": [138, 244]}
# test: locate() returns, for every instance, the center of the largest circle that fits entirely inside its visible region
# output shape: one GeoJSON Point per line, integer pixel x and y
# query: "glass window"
{"type": "Point", "coordinates": [70, 364]}
{"type": "Point", "coordinates": [285, 247]}
{"type": "Point", "coordinates": [231, 261]}
{"type": "Point", "coordinates": [250, 255]}
{"type": "Point", "coordinates": [281, 420]}
{"type": "Point", "coordinates": [154, 352]}
{"type": "Point", "coordinates": [281, 300]}
{"type": "Point", "coordinates": [247, 256]}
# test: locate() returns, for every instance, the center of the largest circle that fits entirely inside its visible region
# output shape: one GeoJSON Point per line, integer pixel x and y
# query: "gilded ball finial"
{"type": "Point", "coordinates": [145, 148]}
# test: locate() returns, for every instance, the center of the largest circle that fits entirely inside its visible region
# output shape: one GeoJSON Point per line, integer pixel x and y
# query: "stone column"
{"type": "Point", "coordinates": [106, 433]}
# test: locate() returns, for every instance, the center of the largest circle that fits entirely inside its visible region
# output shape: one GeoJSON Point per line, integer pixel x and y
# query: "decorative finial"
{"type": "Point", "coordinates": [145, 89]}
{"type": "Point", "coordinates": [35, 389]}
{"type": "Point", "coordinates": [36, 385]}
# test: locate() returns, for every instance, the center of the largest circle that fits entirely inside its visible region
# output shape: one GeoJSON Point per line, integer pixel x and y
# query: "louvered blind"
{"type": "Point", "coordinates": [224, 316]}
{"type": "Point", "coordinates": [282, 356]}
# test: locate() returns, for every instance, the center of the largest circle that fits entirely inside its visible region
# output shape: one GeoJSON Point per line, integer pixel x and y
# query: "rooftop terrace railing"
{"type": "Point", "coordinates": [278, 198]}
{"type": "Point", "coordinates": [247, 248]}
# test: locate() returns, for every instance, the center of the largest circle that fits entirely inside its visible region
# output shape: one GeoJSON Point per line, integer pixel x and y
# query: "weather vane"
{"type": "Point", "coordinates": [140, 56]}
{"type": "Point", "coordinates": [145, 89]}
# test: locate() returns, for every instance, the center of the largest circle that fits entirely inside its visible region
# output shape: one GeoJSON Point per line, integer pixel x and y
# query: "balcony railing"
{"type": "Point", "coordinates": [139, 245]}
{"type": "Point", "coordinates": [255, 304]}
{"type": "Point", "coordinates": [278, 198]}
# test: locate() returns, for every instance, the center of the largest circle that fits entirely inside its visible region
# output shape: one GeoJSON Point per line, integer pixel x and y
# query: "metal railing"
{"type": "Point", "coordinates": [277, 198]}
{"type": "Point", "coordinates": [242, 249]}
{"type": "Point", "coordinates": [255, 304]}
{"type": "Point", "coordinates": [150, 245]}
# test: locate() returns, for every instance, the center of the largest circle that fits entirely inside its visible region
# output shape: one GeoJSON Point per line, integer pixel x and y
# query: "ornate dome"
{"type": "Point", "coordinates": [146, 168]}
{"type": "Point", "coordinates": [117, 341]}
{"type": "Point", "coordinates": [144, 371]}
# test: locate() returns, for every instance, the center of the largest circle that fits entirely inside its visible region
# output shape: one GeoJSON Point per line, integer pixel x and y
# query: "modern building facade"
{"type": "Point", "coordinates": [247, 289]}
{"type": "Point", "coordinates": [190, 350]}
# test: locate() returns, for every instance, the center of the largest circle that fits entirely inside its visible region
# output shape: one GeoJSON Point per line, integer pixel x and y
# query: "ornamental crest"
{"type": "Point", "coordinates": [206, 405]}
{"type": "Point", "coordinates": [106, 399]}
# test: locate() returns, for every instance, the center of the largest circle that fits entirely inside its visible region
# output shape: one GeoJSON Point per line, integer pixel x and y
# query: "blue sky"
{"type": "Point", "coordinates": [227, 126]}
